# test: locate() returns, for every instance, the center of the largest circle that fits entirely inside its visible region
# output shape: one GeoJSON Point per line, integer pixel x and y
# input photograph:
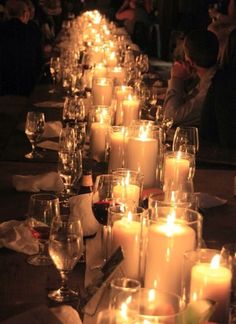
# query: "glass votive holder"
{"type": "Point", "coordinates": [207, 275]}
{"type": "Point", "coordinates": [159, 307]}
{"type": "Point", "coordinates": [102, 89]}
{"type": "Point", "coordinates": [116, 147]}
{"type": "Point", "coordinates": [171, 232]}
{"type": "Point", "coordinates": [124, 295]}
{"type": "Point", "coordinates": [100, 121]}
{"type": "Point", "coordinates": [130, 109]}
{"type": "Point", "coordinates": [229, 251]}
{"type": "Point", "coordinates": [111, 316]}
{"type": "Point", "coordinates": [127, 229]}
{"type": "Point", "coordinates": [177, 171]}
{"type": "Point", "coordinates": [120, 93]}
{"type": "Point", "coordinates": [129, 187]}
{"type": "Point", "coordinates": [144, 152]}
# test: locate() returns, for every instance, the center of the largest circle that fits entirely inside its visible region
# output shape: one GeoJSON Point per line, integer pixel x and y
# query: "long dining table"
{"type": "Point", "coordinates": [23, 286]}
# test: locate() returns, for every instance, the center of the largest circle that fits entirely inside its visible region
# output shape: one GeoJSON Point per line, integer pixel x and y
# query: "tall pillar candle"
{"type": "Point", "coordinates": [102, 91]}
{"type": "Point", "coordinates": [127, 234]}
{"type": "Point", "coordinates": [141, 155]}
{"type": "Point", "coordinates": [116, 144]}
{"type": "Point", "coordinates": [212, 281]}
{"type": "Point", "coordinates": [167, 242]}
{"type": "Point", "coordinates": [121, 92]}
{"type": "Point", "coordinates": [118, 75]}
{"type": "Point", "coordinates": [127, 193]}
{"type": "Point", "coordinates": [130, 107]}
{"type": "Point", "coordinates": [176, 170]}
{"type": "Point", "coordinates": [98, 138]}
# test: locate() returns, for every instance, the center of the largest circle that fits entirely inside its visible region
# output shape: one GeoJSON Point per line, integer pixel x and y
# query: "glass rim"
{"type": "Point", "coordinates": [111, 209]}
{"type": "Point", "coordinates": [44, 197]}
{"type": "Point", "coordinates": [137, 284]}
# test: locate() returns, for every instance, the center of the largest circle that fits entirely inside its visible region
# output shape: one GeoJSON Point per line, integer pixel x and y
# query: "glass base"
{"type": "Point", "coordinates": [63, 295]}
{"type": "Point", "coordinates": [39, 260]}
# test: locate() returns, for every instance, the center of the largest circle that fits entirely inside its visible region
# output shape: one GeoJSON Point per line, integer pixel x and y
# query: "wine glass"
{"type": "Point", "coordinates": [65, 249]}
{"type": "Point", "coordinates": [55, 70]}
{"type": "Point", "coordinates": [34, 128]}
{"type": "Point", "coordinates": [186, 139]}
{"type": "Point", "coordinates": [42, 208]}
{"type": "Point", "coordinates": [102, 199]}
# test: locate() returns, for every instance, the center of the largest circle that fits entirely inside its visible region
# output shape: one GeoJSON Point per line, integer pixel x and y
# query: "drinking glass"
{"type": "Point", "coordinates": [186, 139]}
{"type": "Point", "coordinates": [65, 249]}
{"type": "Point", "coordinates": [34, 129]}
{"type": "Point", "coordinates": [69, 160]}
{"type": "Point", "coordinates": [73, 110]}
{"type": "Point", "coordinates": [42, 208]}
{"type": "Point", "coordinates": [102, 199]}
{"type": "Point", "coordinates": [55, 70]}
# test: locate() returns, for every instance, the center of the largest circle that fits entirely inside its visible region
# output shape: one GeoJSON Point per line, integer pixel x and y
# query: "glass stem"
{"type": "Point", "coordinates": [64, 281]}
{"type": "Point", "coordinates": [42, 248]}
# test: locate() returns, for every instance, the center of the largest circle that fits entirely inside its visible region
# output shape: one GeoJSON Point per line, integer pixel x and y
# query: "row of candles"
{"type": "Point", "coordinates": [153, 245]}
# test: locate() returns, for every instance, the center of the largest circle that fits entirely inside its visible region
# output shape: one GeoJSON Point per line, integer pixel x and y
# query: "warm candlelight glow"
{"type": "Point", "coordinates": [215, 262]}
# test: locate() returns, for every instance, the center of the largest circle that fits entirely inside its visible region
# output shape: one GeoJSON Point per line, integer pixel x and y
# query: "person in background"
{"type": "Point", "coordinates": [219, 15]}
{"type": "Point", "coordinates": [20, 51]}
{"type": "Point", "coordinates": [201, 52]}
{"type": "Point", "coordinates": [218, 118]}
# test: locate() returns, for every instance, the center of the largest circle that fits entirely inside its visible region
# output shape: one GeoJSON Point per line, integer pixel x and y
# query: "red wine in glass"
{"type": "Point", "coordinates": [41, 233]}
{"type": "Point", "coordinates": [100, 210]}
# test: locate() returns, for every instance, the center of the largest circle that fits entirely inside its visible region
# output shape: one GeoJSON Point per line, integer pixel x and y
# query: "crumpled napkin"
{"type": "Point", "coordinates": [81, 207]}
{"type": "Point", "coordinates": [206, 200]}
{"type": "Point", "coordinates": [52, 129]}
{"type": "Point", "coordinates": [16, 235]}
{"type": "Point", "coordinates": [50, 181]}
{"type": "Point", "coordinates": [49, 145]}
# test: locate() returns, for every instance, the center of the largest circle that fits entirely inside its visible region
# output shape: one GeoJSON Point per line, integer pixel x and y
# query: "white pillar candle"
{"type": "Point", "coordinates": [98, 136]}
{"type": "Point", "coordinates": [130, 107]}
{"type": "Point", "coordinates": [117, 73]}
{"type": "Point", "coordinates": [127, 193]}
{"type": "Point", "coordinates": [121, 92]}
{"type": "Point", "coordinates": [116, 154]}
{"type": "Point", "coordinates": [102, 91]}
{"type": "Point", "coordinates": [212, 281]}
{"type": "Point", "coordinates": [127, 234]}
{"type": "Point", "coordinates": [167, 242]}
{"type": "Point", "coordinates": [141, 155]}
{"type": "Point", "coordinates": [111, 59]}
{"type": "Point", "coordinates": [176, 171]}
{"type": "Point", "coordinates": [100, 71]}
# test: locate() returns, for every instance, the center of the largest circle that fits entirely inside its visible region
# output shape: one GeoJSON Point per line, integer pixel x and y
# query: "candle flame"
{"type": "Point", "coordinates": [215, 262]}
{"type": "Point", "coordinates": [127, 179]}
{"type": "Point", "coordinates": [130, 216]}
{"type": "Point", "coordinates": [123, 309]}
{"type": "Point", "coordinates": [151, 295]}
{"type": "Point", "coordinates": [143, 133]}
{"type": "Point", "coordinates": [170, 222]}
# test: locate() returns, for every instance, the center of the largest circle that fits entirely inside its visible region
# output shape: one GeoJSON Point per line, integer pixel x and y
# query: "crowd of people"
{"type": "Point", "coordinates": [206, 55]}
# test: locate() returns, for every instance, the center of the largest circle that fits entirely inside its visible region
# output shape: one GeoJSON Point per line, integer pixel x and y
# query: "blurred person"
{"type": "Point", "coordinates": [218, 118]}
{"type": "Point", "coordinates": [20, 51]}
{"type": "Point", "coordinates": [228, 15]}
{"type": "Point", "coordinates": [182, 104]}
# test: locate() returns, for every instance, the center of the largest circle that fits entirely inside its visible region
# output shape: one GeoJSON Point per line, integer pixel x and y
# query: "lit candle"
{"type": "Point", "coordinates": [100, 70]}
{"type": "Point", "coordinates": [111, 59]}
{"type": "Point", "coordinates": [126, 192]}
{"type": "Point", "coordinates": [121, 92]}
{"type": "Point", "coordinates": [176, 170]}
{"type": "Point", "coordinates": [212, 281]}
{"type": "Point", "coordinates": [130, 107]}
{"type": "Point", "coordinates": [127, 234]}
{"type": "Point", "coordinates": [116, 153]}
{"type": "Point", "coordinates": [102, 91]}
{"type": "Point", "coordinates": [98, 134]}
{"type": "Point", "coordinates": [167, 242]}
{"type": "Point", "coordinates": [118, 75]}
{"type": "Point", "coordinates": [141, 155]}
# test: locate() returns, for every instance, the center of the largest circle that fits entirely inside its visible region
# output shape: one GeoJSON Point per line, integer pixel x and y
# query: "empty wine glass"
{"type": "Point", "coordinates": [65, 249]}
{"type": "Point", "coordinates": [42, 208]}
{"type": "Point", "coordinates": [69, 160]}
{"type": "Point", "coordinates": [186, 139]}
{"type": "Point", "coordinates": [34, 128]}
{"type": "Point", "coordinates": [55, 70]}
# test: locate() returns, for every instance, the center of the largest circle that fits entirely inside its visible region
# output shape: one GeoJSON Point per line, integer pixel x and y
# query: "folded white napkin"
{"type": "Point", "coordinates": [52, 129]}
{"type": "Point", "coordinates": [66, 314]}
{"type": "Point", "coordinates": [81, 207]}
{"type": "Point", "coordinates": [16, 235]}
{"type": "Point", "coordinates": [206, 200]}
{"type": "Point", "coordinates": [34, 183]}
